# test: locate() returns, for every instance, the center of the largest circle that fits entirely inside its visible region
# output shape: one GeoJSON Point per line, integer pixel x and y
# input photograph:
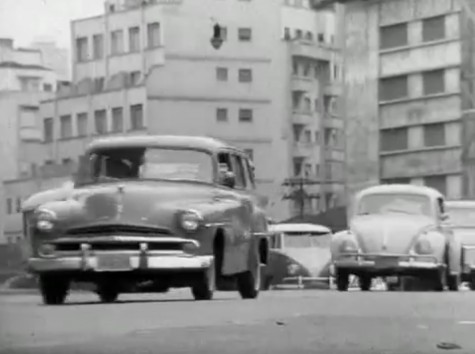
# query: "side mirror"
{"type": "Point", "coordinates": [229, 179]}
{"type": "Point", "coordinates": [444, 217]}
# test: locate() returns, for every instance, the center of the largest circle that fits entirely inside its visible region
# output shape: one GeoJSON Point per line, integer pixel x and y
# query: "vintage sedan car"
{"type": "Point", "coordinates": [166, 211]}
{"type": "Point", "coordinates": [299, 255]}
{"type": "Point", "coordinates": [398, 230]}
{"type": "Point", "coordinates": [462, 218]}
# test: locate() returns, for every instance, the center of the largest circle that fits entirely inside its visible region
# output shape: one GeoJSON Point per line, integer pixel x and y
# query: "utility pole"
{"type": "Point", "coordinates": [298, 192]}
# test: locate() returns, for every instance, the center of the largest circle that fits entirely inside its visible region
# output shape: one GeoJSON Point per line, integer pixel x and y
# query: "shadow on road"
{"type": "Point", "coordinates": [133, 301]}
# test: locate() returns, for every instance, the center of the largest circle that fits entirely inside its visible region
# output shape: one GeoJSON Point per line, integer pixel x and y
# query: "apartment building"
{"type": "Point", "coordinates": [409, 92]}
{"type": "Point", "coordinates": [271, 88]}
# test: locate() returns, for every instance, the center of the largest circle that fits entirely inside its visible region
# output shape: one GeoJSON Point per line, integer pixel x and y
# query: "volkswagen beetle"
{"type": "Point", "coordinates": [166, 211]}
{"type": "Point", "coordinates": [462, 218]}
{"type": "Point", "coordinates": [299, 255]}
{"type": "Point", "coordinates": [398, 230]}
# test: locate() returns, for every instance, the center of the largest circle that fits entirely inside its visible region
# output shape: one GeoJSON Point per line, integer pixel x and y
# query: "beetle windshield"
{"type": "Point", "coordinates": [306, 239]}
{"type": "Point", "coordinates": [461, 216]}
{"type": "Point", "coordinates": [413, 204]}
{"type": "Point", "coordinates": [149, 163]}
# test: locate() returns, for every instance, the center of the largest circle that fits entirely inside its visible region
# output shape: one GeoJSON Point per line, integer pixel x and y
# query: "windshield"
{"type": "Point", "coordinates": [149, 163]}
{"type": "Point", "coordinates": [395, 203]}
{"type": "Point", "coordinates": [306, 239]}
{"type": "Point", "coordinates": [461, 216]}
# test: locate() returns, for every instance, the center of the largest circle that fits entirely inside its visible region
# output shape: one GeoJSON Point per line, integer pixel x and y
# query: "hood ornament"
{"type": "Point", "coordinates": [120, 201]}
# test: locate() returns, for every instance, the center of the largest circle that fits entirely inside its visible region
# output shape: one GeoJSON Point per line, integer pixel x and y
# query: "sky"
{"type": "Point", "coordinates": [28, 20]}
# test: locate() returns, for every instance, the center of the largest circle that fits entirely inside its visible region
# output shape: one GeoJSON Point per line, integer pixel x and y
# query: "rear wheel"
{"type": "Point", "coordinates": [205, 286]}
{"type": "Point", "coordinates": [54, 289]}
{"type": "Point", "coordinates": [439, 279]}
{"type": "Point", "coordinates": [453, 282]}
{"type": "Point", "coordinates": [342, 280]}
{"type": "Point", "coordinates": [471, 283]}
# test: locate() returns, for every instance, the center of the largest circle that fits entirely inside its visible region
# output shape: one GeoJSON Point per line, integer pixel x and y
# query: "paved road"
{"type": "Point", "coordinates": [304, 321]}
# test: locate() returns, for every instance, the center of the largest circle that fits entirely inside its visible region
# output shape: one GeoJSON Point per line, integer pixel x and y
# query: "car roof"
{"type": "Point", "coordinates": [295, 227]}
{"type": "Point", "coordinates": [401, 188]}
{"type": "Point", "coordinates": [171, 141]}
{"type": "Point", "coordinates": [460, 203]}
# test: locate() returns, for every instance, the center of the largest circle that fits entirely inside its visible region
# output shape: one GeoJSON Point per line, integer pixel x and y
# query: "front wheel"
{"type": "Point", "coordinates": [342, 280]}
{"type": "Point", "coordinates": [205, 286]}
{"type": "Point", "coordinates": [365, 282]}
{"type": "Point", "coordinates": [453, 282]}
{"type": "Point", "coordinates": [108, 292]}
{"type": "Point", "coordinates": [439, 279]}
{"type": "Point", "coordinates": [249, 282]}
{"type": "Point", "coordinates": [54, 289]}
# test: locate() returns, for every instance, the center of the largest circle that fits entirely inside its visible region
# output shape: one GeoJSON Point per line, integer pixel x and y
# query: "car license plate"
{"type": "Point", "coordinates": [386, 262]}
{"type": "Point", "coordinates": [113, 262]}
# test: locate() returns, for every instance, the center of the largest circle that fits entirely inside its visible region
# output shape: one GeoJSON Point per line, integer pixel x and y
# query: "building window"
{"type": "Point", "coordinates": [393, 36]}
{"type": "Point", "coordinates": [136, 117]}
{"type": "Point", "coordinates": [66, 161]}
{"type": "Point", "coordinates": [98, 46]}
{"type": "Point", "coordinates": [287, 34]}
{"type": "Point", "coordinates": [48, 132]}
{"type": "Point", "coordinates": [81, 49]}
{"type": "Point", "coordinates": [100, 120]}
{"type": "Point", "coordinates": [222, 114]}
{"type": "Point", "coordinates": [298, 34]}
{"type": "Point", "coordinates": [434, 82]}
{"type": "Point", "coordinates": [153, 35]}
{"type": "Point", "coordinates": [66, 127]}
{"type": "Point", "coordinates": [18, 205]}
{"type": "Point", "coordinates": [9, 206]}
{"type": "Point", "coordinates": [309, 36]}
{"type": "Point", "coordinates": [434, 134]}
{"type": "Point", "coordinates": [134, 39]}
{"type": "Point", "coordinates": [117, 42]}
{"type": "Point", "coordinates": [394, 139]}
{"type": "Point", "coordinates": [397, 180]}
{"type": "Point", "coordinates": [221, 74]}
{"type": "Point", "coordinates": [98, 84]}
{"type": "Point", "coordinates": [393, 88]}
{"type": "Point", "coordinates": [317, 170]}
{"type": "Point", "coordinates": [245, 115]}
{"type": "Point", "coordinates": [224, 33]}
{"type": "Point", "coordinates": [321, 38]}
{"type": "Point", "coordinates": [297, 162]}
{"type": "Point", "coordinates": [82, 124]}
{"type": "Point", "coordinates": [117, 120]}
{"type": "Point", "coordinates": [250, 154]}
{"type": "Point", "coordinates": [245, 75]}
{"type": "Point", "coordinates": [245, 34]}
{"type": "Point", "coordinates": [437, 182]}
{"type": "Point", "coordinates": [135, 78]}
{"type": "Point", "coordinates": [47, 87]}
{"type": "Point", "coordinates": [433, 29]}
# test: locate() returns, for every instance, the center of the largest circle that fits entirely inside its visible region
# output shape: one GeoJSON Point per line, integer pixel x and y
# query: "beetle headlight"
{"type": "Point", "coordinates": [423, 246]}
{"type": "Point", "coordinates": [348, 246]}
{"type": "Point", "coordinates": [191, 220]}
{"type": "Point", "coordinates": [45, 220]}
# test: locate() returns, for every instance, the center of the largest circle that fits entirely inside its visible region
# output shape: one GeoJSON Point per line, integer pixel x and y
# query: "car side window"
{"type": "Point", "coordinates": [239, 171]}
{"type": "Point", "coordinates": [248, 173]}
{"type": "Point", "coordinates": [440, 206]}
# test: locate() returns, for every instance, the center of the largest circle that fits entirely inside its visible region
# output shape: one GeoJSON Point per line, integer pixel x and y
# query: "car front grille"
{"type": "Point", "coordinates": [119, 246]}
{"type": "Point", "coordinates": [117, 229]}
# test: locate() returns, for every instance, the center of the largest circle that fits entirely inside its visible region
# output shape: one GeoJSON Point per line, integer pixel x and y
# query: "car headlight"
{"type": "Point", "coordinates": [423, 246]}
{"type": "Point", "coordinates": [191, 220]}
{"type": "Point", "coordinates": [293, 268]}
{"type": "Point", "coordinates": [45, 220]}
{"type": "Point", "coordinates": [348, 246]}
{"type": "Point", "coordinates": [46, 249]}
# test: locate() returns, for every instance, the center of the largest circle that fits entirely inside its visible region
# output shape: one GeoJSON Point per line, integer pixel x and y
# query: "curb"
{"type": "Point", "coordinates": [19, 292]}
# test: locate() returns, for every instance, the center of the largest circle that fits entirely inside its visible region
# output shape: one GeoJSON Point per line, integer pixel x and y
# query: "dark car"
{"type": "Point", "coordinates": [151, 213]}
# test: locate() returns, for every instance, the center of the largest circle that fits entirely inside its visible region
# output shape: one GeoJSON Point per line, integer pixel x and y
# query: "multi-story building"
{"type": "Point", "coordinates": [54, 57]}
{"type": "Point", "coordinates": [409, 94]}
{"type": "Point", "coordinates": [270, 89]}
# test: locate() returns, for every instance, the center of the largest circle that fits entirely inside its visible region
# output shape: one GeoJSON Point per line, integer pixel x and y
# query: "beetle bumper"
{"type": "Point", "coordinates": [385, 264]}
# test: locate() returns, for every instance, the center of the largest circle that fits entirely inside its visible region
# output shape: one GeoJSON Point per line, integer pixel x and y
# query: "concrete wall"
{"type": "Point", "coordinates": [361, 81]}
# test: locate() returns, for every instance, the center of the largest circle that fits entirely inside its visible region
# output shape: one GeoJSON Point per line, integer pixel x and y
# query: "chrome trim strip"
{"type": "Point", "coordinates": [138, 239]}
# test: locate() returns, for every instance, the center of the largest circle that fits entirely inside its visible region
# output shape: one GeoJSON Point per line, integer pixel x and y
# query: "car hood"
{"type": "Point", "coordinates": [391, 232]}
{"type": "Point", "coordinates": [313, 260]}
{"type": "Point", "coordinates": [466, 234]}
{"type": "Point", "coordinates": [145, 203]}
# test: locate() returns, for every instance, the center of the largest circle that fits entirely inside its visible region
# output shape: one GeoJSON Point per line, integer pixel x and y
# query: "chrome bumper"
{"type": "Point", "coordinates": [150, 262]}
{"type": "Point", "coordinates": [300, 281]}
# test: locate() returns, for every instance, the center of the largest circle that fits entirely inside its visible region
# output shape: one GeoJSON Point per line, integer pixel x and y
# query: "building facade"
{"type": "Point", "coordinates": [270, 89]}
{"type": "Point", "coordinates": [409, 94]}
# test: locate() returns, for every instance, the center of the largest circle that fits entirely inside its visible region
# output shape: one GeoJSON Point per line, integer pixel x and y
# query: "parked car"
{"type": "Point", "coordinates": [462, 217]}
{"type": "Point", "coordinates": [299, 255]}
{"type": "Point", "coordinates": [398, 230]}
{"type": "Point", "coordinates": [167, 211]}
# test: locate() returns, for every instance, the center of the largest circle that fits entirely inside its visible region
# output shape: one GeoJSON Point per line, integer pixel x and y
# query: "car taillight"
{"type": "Point", "coordinates": [423, 246]}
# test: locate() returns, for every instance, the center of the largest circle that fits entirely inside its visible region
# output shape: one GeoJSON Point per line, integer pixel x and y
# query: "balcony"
{"type": "Point", "coordinates": [302, 117]}
{"type": "Point", "coordinates": [334, 89]}
{"type": "Point", "coordinates": [308, 49]}
{"type": "Point", "coordinates": [303, 149]}
{"type": "Point", "coordinates": [333, 154]}
{"type": "Point", "coordinates": [333, 122]}
{"type": "Point", "coordinates": [303, 84]}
